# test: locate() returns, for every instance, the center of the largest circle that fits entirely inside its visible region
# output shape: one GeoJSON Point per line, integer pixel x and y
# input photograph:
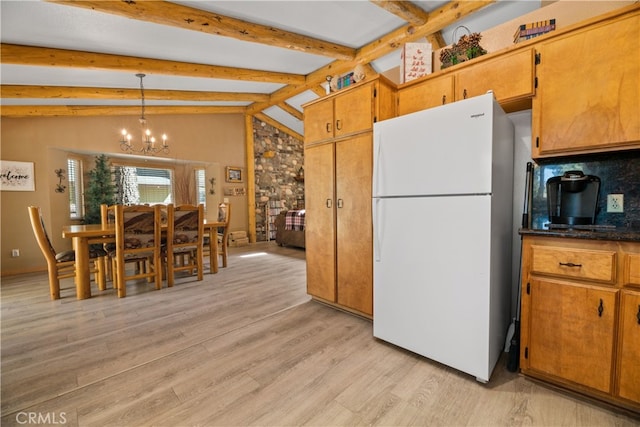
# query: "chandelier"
{"type": "Point", "coordinates": [148, 140]}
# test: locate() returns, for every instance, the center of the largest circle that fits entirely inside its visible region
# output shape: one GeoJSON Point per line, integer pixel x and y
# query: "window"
{"type": "Point", "coordinates": [74, 176]}
{"type": "Point", "coordinates": [201, 191]}
{"type": "Point", "coordinates": [155, 186]}
{"type": "Point", "coordinates": [136, 185]}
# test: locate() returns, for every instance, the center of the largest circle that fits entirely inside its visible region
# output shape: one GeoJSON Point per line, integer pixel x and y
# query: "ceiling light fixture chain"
{"type": "Point", "coordinates": [148, 141]}
{"type": "Point", "coordinates": [143, 120]}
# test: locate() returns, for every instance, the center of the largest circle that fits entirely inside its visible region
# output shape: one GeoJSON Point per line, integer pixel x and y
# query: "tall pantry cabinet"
{"type": "Point", "coordinates": [338, 171]}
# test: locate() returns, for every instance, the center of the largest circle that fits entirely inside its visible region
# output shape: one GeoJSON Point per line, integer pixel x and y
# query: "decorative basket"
{"type": "Point", "coordinates": [467, 47]}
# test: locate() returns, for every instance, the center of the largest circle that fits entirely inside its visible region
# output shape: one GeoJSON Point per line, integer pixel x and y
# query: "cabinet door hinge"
{"type": "Point", "coordinates": [535, 83]}
{"type": "Point", "coordinates": [526, 352]}
{"type": "Point", "coordinates": [528, 288]}
{"type": "Point", "coordinates": [375, 92]}
{"type": "Point", "coordinates": [375, 119]}
{"type": "Point", "coordinates": [537, 62]}
{"type": "Point", "coordinates": [537, 142]}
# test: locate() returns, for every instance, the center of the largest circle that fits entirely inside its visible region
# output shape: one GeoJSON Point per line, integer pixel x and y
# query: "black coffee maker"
{"type": "Point", "coordinates": [573, 198]}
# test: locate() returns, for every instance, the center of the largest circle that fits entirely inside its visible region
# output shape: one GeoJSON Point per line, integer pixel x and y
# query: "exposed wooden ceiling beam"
{"type": "Point", "coordinates": [86, 110]}
{"type": "Point", "coordinates": [405, 10]}
{"type": "Point", "coordinates": [76, 92]}
{"type": "Point", "coordinates": [294, 84]}
{"type": "Point", "coordinates": [318, 90]}
{"type": "Point", "coordinates": [176, 15]}
{"type": "Point", "coordinates": [42, 56]}
{"type": "Point", "coordinates": [436, 40]}
{"type": "Point", "coordinates": [438, 19]}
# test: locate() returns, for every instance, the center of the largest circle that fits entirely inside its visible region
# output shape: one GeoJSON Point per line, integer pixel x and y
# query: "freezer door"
{"type": "Point", "coordinates": [442, 150]}
{"type": "Point", "coordinates": [431, 278]}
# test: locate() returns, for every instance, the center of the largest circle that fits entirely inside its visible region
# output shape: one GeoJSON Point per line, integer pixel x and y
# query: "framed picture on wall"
{"type": "Point", "coordinates": [233, 174]}
{"type": "Point", "coordinates": [17, 176]}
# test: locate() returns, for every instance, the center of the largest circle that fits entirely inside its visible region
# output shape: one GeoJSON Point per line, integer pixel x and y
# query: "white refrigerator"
{"type": "Point", "coordinates": [442, 219]}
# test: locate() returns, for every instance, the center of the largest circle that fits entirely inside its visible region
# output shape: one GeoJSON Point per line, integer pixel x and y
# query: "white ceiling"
{"type": "Point", "coordinates": [349, 23]}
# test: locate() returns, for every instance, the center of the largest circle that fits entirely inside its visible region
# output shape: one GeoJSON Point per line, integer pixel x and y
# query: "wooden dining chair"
{"type": "Point", "coordinates": [183, 250]}
{"type": "Point", "coordinates": [108, 219]}
{"type": "Point", "coordinates": [138, 242]}
{"type": "Point", "coordinates": [224, 215]}
{"type": "Point", "coordinates": [61, 265]}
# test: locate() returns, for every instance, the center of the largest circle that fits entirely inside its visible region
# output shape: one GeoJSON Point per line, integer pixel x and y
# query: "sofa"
{"type": "Point", "coordinates": [290, 228]}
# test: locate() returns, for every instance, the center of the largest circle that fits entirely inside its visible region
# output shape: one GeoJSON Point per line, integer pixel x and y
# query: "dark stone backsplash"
{"type": "Point", "coordinates": [619, 173]}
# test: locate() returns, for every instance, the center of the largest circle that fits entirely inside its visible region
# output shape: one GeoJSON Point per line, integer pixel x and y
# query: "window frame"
{"type": "Point", "coordinates": [201, 186]}
{"type": "Point", "coordinates": [75, 181]}
{"type": "Point", "coordinates": [170, 170]}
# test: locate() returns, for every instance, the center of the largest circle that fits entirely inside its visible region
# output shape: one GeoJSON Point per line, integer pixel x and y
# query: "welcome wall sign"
{"type": "Point", "coordinates": [17, 176]}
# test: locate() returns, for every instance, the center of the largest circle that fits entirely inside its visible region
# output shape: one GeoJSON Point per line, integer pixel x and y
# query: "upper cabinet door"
{"type": "Point", "coordinates": [340, 115]}
{"type": "Point", "coordinates": [318, 121]}
{"type": "Point", "coordinates": [588, 95]}
{"type": "Point", "coordinates": [354, 110]}
{"type": "Point", "coordinates": [510, 77]}
{"type": "Point", "coordinates": [426, 94]}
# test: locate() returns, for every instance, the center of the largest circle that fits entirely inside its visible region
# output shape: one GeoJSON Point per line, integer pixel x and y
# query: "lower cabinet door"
{"type": "Point", "coordinates": [571, 332]}
{"type": "Point", "coordinates": [354, 244]}
{"type": "Point", "coordinates": [629, 350]}
{"type": "Point", "coordinates": [319, 222]}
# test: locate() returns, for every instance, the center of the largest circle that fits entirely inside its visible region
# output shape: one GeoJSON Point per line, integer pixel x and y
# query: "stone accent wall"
{"type": "Point", "coordinates": [278, 164]}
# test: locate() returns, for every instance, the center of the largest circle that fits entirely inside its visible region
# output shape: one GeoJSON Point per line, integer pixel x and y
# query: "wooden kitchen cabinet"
{"type": "Point", "coordinates": [572, 331]}
{"type": "Point", "coordinates": [628, 374]}
{"type": "Point", "coordinates": [346, 113]}
{"type": "Point", "coordinates": [339, 242]}
{"type": "Point", "coordinates": [426, 94]}
{"type": "Point", "coordinates": [321, 127]}
{"type": "Point", "coordinates": [588, 85]}
{"type": "Point", "coordinates": [320, 229]}
{"type": "Point", "coordinates": [510, 76]}
{"type": "Point", "coordinates": [354, 226]}
{"type": "Point", "coordinates": [579, 328]}
{"type": "Point", "coordinates": [338, 173]}
{"type": "Point", "coordinates": [629, 350]}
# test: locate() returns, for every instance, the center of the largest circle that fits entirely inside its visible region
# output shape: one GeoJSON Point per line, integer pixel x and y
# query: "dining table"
{"type": "Point", "coordinates": [83, 235]}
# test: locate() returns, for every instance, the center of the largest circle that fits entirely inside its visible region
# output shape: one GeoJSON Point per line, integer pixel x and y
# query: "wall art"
{"type": "Point", "coordinates": [233, 174]}
{"type": "Point", "coordinates": [17, 176]}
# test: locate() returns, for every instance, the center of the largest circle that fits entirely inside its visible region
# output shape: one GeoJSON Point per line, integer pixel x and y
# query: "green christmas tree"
{"type": "Point", "coordinates": [100, 190]}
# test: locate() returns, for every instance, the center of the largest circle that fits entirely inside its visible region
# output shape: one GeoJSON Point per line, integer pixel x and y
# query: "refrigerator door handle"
{"type": "Point", "coordinates": [377, 230]}
{"type": "Point", "coordinates": [376, 168]}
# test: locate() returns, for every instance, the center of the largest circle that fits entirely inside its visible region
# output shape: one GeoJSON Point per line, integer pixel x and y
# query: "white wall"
{"type": "Point", "coordinates": [522, 154]}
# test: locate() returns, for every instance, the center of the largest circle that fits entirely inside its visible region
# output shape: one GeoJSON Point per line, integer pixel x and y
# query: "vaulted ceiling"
{"type": "Point", "coordinates": [264, 58]}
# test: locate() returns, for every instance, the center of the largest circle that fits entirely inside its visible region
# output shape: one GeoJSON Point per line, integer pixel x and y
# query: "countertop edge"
{"type": "Point", "coordinates": [615, 235]}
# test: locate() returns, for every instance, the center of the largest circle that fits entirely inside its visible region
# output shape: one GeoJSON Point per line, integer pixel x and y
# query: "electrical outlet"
{"type": "Point", "coordinates": [15, 252]}
{"type": "Point", "coordinates": [615, 203]}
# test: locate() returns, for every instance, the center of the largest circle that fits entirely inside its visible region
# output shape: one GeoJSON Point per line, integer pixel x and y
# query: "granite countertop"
{"type": "Point", "coordinates": [620, 234]}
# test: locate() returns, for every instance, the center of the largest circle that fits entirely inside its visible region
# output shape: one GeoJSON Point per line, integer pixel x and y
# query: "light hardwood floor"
{"type": "Point", "coordinates": [245, 346]}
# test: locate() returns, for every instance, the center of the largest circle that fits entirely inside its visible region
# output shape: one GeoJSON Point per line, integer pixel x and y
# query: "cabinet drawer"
{"type": "Point", "coordinates": [574, 263]}
{"type": "Point", "coordinates": [631, 270]}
